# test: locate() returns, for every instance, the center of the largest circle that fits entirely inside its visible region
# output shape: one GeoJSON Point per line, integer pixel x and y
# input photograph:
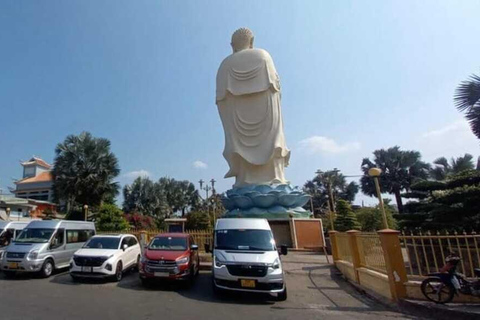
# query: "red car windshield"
{"type": "Point", "coordinates": [168, 244]}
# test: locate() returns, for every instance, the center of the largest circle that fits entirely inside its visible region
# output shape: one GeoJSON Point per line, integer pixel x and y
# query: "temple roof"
{"type": "Point", "coordinates": [38, 161]}
{"type": "Point", "coordinates": [42, 177]}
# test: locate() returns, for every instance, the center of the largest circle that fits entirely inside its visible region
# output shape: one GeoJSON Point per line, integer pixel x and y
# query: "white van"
{"type": "Point", "coordinates": [45, 245]}
{"type": "Point", "coordinates": [245, 258]}
{"type": "Point", "coordinates": [9, 230]}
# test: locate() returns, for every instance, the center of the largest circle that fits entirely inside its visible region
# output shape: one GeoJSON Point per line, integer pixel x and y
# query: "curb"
{"type": "Point", "coordinates": [435, 311]}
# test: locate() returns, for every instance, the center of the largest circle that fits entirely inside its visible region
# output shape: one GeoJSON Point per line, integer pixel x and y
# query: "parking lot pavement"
{"type": "Point", "coordinates": [314, 292]}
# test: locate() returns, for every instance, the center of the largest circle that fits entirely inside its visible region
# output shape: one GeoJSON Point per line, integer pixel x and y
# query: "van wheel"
{"type": "Point", "coordinates": [118, 272]}
{"type": "Point", "coordinates": [47, 268]}
{"type": "Point", "coordinates": [282, 296]}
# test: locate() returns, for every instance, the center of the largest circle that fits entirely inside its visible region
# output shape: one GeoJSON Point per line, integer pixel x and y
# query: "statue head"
{"type": "Point", "coordinates": [242, 39]}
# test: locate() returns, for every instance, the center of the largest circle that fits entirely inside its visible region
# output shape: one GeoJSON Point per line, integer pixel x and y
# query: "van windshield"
{"type": "Point", "coordinates": [261, 240]}
{"type": "Point", "coordinates": [35, 235]}
{"type": "Point", "coordinates": [102, 243]}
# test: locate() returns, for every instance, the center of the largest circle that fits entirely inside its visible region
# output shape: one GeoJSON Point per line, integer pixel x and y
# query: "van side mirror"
{"type": "Point", "coordinates": [207, 248]}
{"type": "Point", "coordinates": [283, 250]}
{"type": "Point", "coordinates": [124, 247]}
{"type": "Point", "coordinates": [194, 247]}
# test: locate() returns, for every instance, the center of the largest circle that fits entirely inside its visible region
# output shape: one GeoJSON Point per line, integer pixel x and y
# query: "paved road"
{"type": "Point", "coordinates": [315, 292]}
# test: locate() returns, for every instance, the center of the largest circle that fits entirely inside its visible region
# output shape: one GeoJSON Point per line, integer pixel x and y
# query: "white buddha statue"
{"type": "Point", "coordinates": [248, 99]}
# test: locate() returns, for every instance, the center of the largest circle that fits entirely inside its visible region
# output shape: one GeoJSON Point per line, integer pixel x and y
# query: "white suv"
{"type": "Point", "coordinates": [106, 256]}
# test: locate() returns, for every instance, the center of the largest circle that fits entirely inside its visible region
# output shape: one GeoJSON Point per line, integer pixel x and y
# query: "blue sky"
{"type": "Point", "coordinates": [356, 76]}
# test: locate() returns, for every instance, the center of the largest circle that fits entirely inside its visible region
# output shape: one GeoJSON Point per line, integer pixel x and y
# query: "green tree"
{"type": "Point", "coordinates": [83, 171]}
{"type": "Point", "coordinates": [441, 168]}
{"type": "Point", "coordinates": [371, 218]}
{"type": "Point", "coordinates": [467, 100]}
{"type": "Point", "coordinates": [110, 218]}
{"type": "Point", "coordinates": [181, 195]}
{"type": "Point", "coordinates": [198, 220]}
{"type": "Point", "coordinates": [399, 170]}
{"type": "Point", "coordinates": [453, 204]}
{"type": "Point", "coordinates": [346, 218]}
{"type": "Point", "coordinates": [317, 188]}
{"type": "Point", "coordinates": [146, 197]}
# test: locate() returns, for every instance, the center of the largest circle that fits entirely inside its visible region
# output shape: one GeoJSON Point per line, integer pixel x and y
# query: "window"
{"type": "Point", "coordinates": [58, 239]}
{"type": "Point", "coordinates": [76, 236]}
{"type": "Point", "coordinates": [132, 241]}
{"type": "Point", "coordinates": [124, 242]}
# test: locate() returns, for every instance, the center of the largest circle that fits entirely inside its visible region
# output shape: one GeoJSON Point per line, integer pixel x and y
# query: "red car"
{"type": "Point", "coordinates": [170, 256]}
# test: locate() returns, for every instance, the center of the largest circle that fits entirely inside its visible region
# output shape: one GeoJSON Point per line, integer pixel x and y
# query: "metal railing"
{"type": "Point", "coordinates": [425, 253]}
{"type": "Point", "coordinates": [344, 248]}
{"type": "Point", "coordinates": [371, 252]}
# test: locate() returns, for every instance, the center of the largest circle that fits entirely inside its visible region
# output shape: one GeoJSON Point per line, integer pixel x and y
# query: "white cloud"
{"type": "Point", "coordinates": [135, 174]}
{"type": "Point", "coordinates": [459, 126]}
{"type": "Point", "coordinates": [200, 164]}
{"type": "Point", "coordinates": [319, 144]}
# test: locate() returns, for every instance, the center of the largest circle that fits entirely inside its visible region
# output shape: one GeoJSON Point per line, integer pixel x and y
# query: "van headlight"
{"type": "Point", "coordinates": [218, 263]}
{"type": "Point", "coordinates": [276, 264]}
{"type": "Point", "coordinates": [33, 255]}
{"type": "Point", "coordinates": [183, 260]}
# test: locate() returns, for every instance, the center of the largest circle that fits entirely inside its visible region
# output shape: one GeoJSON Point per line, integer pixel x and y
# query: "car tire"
{"type": "Point", "coordinates": [145, 282]}
{"type": "Point", "coordinates": [198, 268]}
{"type": "Point", "coordinates": [9, 274]}
{"type": "Point", "coordinates": [282, 296]}
{"type": "Point", "coordinates": [118, 272]}
{"type": "Point", "coordinates": [137, 265]}
{"type": "Point", "coordinates": [47, 268]}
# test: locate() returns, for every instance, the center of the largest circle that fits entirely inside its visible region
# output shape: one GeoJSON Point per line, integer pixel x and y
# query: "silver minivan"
{"type": "Point", "coordinates": [9, 230]}
{"type": "Point", "coordinates": [245, 258]}
{"type": "Point", "coordinates": [46, 245]}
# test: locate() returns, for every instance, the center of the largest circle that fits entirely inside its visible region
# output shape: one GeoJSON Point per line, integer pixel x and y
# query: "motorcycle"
{"type": "Point", "coordinates": [441, 287]}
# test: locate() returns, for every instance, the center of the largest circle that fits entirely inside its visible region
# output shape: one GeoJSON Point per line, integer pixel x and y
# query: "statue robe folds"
{"type": "Point", "coordinates": [248, 100]}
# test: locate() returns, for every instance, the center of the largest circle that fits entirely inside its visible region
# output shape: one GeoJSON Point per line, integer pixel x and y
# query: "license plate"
{"type": "Point", "coordinates": [247, 283]}
{"type": "Point", "coordinates": [161, 274]}
{"type": "Point", "coordinates": [13, 265]}
{"type": "Point", "coordinates": [87, 269]}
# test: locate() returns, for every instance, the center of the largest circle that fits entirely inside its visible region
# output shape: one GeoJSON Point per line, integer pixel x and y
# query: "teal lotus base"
{"type": "Point", "coordinates": [266, 201]}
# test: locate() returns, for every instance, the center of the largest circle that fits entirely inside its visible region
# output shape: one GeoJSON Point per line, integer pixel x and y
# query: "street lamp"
{"type": "Point", "coordinates": [85, 211]}
{"type": "Point", "coordinates": [375, 173]}
{"type": "Point", "coordinates": [7, 211]}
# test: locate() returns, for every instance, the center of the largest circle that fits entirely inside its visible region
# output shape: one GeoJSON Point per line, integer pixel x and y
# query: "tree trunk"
{"type": "Point", "coordinates": [398, 198]}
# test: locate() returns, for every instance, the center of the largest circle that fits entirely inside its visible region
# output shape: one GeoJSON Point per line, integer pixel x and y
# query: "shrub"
{"type": "Point", "coordinates": [346, 218]}
{"type": "Point", "coordinates": [110, 218]}
{"type": "Point", "coordinates": [140, 221]}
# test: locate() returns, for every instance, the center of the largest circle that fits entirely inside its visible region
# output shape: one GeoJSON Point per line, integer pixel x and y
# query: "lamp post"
{"type": "Point", "coordinates": [207, 188]}
{"type": "Point", "coordinates": [375, 173]}
{"type": "Point", "coordinates": [7, 211]}
{"type": "Point", "coordinates": [85, 211]}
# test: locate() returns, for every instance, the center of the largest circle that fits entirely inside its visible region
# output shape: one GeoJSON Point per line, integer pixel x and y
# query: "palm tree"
{"type": "Point", "coordinates": [145, 197]}
{"type": "Point", "coordinates": [399, 170]}
{"type": "Point", "coordinates": [442, 169]}
{"type": "Point", "coordinates": [467, 99]}
{"type": "Point", "coordinates": [83, 171]}
{"type": "Point", "coordinates": [318, 189]}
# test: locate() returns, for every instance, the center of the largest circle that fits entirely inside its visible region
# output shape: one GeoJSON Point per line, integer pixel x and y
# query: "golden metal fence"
{"type": "Point", "coordinates": [200, 237]}
{"type": "Point", "coordinates": [344, 248]}
{"type": "Point", "coordinates": [371, 252]}
{"type": "Point", "coordinates": [425, 253]}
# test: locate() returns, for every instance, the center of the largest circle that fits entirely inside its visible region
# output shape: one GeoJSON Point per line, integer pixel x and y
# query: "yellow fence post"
{"type": "Point", "coordinates": [352, 241]}
{"type": "Point", "coordinates": [333, 243]}
{"type": "Point", "coordinates": [396, 271]}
